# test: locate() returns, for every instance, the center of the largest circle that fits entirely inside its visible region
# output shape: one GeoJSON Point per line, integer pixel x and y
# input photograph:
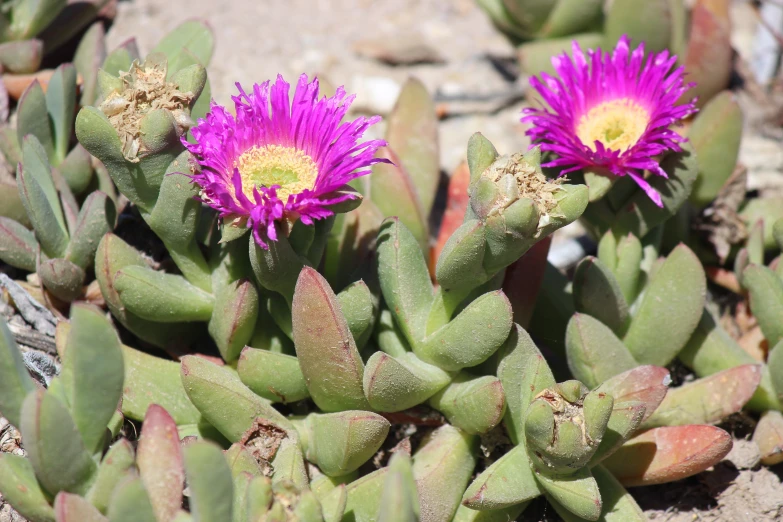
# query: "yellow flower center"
{"type": "Point", "coordinates": [617, 124]}
{"type": "Point", "coordinates": [288, 167]}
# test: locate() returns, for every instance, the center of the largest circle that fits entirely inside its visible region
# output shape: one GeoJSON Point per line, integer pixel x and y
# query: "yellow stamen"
{"type": "Point", "coordinates": [618, 124]}
{"type": "Point", "coordinates": [288, 167]}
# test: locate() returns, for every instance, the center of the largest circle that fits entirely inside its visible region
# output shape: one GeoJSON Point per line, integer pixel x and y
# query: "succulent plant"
{"type": "Point", "coordinates": [312, 332]}
{"type": "Point", "coordinates": [66, 427]}
{"type": "Point", "coordinates": [572, 444]}
{"type": "Point", "coordinates": [712, 349]}
{"type": "Point", "coordinates": [544, 29]}
{"type": "Point", "coordinates": [61, 247]}
{"type": "Point", "coordinates": [33, 29]}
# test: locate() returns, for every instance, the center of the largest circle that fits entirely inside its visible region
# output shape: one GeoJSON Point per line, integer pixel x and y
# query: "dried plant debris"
{"type": "Point", "coordinates": [530, 179]}
{"type": "Point", "coordinates": [720, 221]}
{"type": "Point", "coordinates": [144, 89]}
{"type": "Point", "coordinates": [263, 439]}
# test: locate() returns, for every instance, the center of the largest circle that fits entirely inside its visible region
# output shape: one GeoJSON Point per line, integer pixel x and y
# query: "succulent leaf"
{"type": "Point", "coordinates": [223, 400]}
{"type": "Point", "coordinates": [73, 508]}
{"type": "Point", "coordinates": [274, 376]}
{"type": "Point", "coordinates": [115, 466]}
{"type": "Point", "coordinates": [707, 400]}
{"type": "Point", "coordinates": [669, 310]}
{"type": "Point", "coordinates": [594, 352]}
{"type": "Point", "coordinates": [396, 383]}
{"type": "Point", "coordinates": [326, 350]}
{"type": "Point", "coordinates": [160, 462]}
{"type": "Point", "coordinates": [507, 482]}
{"type": "Point", "coordinates": [210, 482]}
{"type": "Point", "coordinates": [473, 404]}
{"type": "Point", "coordinates": [92, 373]}
{"type": "Point", "coordinates": [130, 503]}
{"type": "Point", "coordinates": [667, 454]}
{"type": "Point", "coordinates": [400, 499]}
{"type": "Point", "coordinates": [442, 467]}
{"type": "Point", "coordinates": [19, 486]}
{"type": "Point", "coordinates": [54, 446]}
{"type": "Point", "coordinates": [15, 381]}
{"type": "Point", "coordinates": [577, 493]}
{"type": "Point", "coordinates": [524, 373]}
{"type": "Point", "coordinates": [338, 443]}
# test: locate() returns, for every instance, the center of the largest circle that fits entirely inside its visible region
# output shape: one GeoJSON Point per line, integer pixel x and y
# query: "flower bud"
{"type": "Point", "coordinates": [565, 425]}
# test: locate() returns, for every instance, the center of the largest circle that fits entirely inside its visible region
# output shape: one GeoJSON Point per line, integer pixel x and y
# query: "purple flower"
{"type": "Point", "coordinates": [610, 113]}
{"type": "Point", "coordinates": [277, 160]}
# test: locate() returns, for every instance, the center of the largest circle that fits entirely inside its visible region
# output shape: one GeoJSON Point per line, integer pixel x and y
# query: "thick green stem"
{"type": "Point", "coordinates": [191, 262]}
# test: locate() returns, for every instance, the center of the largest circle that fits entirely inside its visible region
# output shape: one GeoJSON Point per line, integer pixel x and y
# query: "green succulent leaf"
{"type": "Point", "coordinates": [61, 105]}
{"type": "Point", "coordinates": [509, 481]}
{"type": "Point", "coordinates": [92, 373]}
{"type": "Point", "coordinates": [395, 383]}
{"type": "Point", "coordinates": [715, 134]}
{"type": "Point", "coordinates": [130, 503]}
{"type": "Point", "coordinates": [578, 493]}
{"type": "Point", "coordinates": [54, 446]}
{"type": "Point", "coordinates": [193, 36]}
{"type": "Point", "coordinates": [400, 499]}
{"type": "Point", "coordinates": [113, 469]}
{"type": "Point", "coordinates": [472, 404]}
{"type": "Point", "coordinates": [274, 376]}
{"type": "Point", "coordinates": [766, 300]}
{"type": "Point", "coordinates": [233, 325]}
{"type": "Point", "coordinates": [472, 336]}
{"type": "Point", "coordinates": [669, 310]}
{"type": "Point", "coordinates": [160, 297]}
{"type": "Point", "coordinates": [21, 489]}
{"type": "Point", "coordinates": [524, 373]}
{"type": "Point", "coordinates": [326, 349]}
{"type": "Point", "coordinates": [594, 352]}
{"type": "Point", "coordinates": [412, 132]}
{"type": "Point", "coordinates": [15, 381]}
{"type": "Point", "coordinates": [597, 293]}
{"type": "Point", "coordinates": [649, 22]}
{"type": "Point", "coordinates": [358, 306]}
{"type": "Point", "coordinates": [40, 199]}
{"type": "Point", "coordinates": [393, 192]}
{"type": "Point", "coordinates": [223, 400]}
{"type": "Point", "coordinates": [210, 482]}
{"type": "Point", "coordinates": [404, 278]}
{"type": "Point", "coordinates": [364, 496]}
{"type": "Point", "coordinates": [338, 443]}
{"type": "Point", "coordinates": [442, 467]}
{"type": "Point", "coordinates": [33, 118]}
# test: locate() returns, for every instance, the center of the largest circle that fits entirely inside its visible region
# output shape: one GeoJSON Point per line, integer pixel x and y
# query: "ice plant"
{"type": "Point", "coordinates": [276, 160]}
{"type": "Point", "coordinates": [610, 114]}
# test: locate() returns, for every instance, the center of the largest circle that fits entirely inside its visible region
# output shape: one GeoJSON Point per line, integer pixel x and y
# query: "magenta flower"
{"type": "Point", "coordinates": [276, 160]}
{"type": "Point", "coordinates": [610, 113]}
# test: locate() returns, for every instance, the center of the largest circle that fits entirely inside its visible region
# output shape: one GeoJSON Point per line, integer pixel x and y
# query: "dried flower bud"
{"type": "Point", "coordinates": [145, 89]}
